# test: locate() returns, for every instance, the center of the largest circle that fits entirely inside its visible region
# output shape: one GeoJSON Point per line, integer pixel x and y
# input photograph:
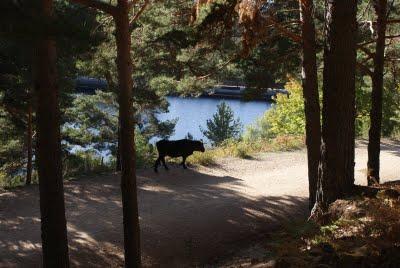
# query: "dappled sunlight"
{"type": "Point", "coordinates": [185, 216]}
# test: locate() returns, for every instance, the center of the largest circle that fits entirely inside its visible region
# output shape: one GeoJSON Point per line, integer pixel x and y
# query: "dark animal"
{"type": "Point", "coordinates": [178, 148]}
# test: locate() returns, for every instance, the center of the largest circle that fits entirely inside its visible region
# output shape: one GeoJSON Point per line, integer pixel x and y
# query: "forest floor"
{"type": "Point", "coordinates": [188, 217]}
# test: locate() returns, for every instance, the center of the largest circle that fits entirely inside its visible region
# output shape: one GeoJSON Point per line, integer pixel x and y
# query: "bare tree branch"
{"type": "Point", "coordinates": [392, 36]}
{"type": "Point", "coordinates": [217, 68]}
{"type": "Point", "coordinates": [393, 21]}
{"type": "Point", "coordinates": [137, 15]}
{"type": "Point", "coordinates": [291, 35]}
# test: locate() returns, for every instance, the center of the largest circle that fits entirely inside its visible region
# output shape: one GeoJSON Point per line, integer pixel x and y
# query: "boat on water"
{"type": "Point", "coordinates": [89, 85]}
{"type": "Point", "coordinates": [242, 92]}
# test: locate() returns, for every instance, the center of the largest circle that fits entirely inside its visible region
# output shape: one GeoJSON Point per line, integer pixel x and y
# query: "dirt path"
{"type": "Point", "coordinates": [187, 216]}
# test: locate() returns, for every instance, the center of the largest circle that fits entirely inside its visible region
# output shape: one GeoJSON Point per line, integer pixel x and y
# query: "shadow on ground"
{"type": "Point", "coordinates": [390, 146]}
{"type": "Point", "coordinates": [186, 218]}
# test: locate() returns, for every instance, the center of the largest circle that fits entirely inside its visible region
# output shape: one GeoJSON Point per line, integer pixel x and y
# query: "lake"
{"type": "Point", "coordinates": [194, 112]}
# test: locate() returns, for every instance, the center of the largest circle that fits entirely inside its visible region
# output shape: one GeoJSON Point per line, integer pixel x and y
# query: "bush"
{"type": "Point", "coordinates": [285, 118]}
{"type": "Point", "coordinates": [145, 152]}
{"type": "Point", "coordinates": [85, 162]}
{"type": "Point", "coordinates": [204, 159]}
{"type": "Point", "coordinates": [8, 181]}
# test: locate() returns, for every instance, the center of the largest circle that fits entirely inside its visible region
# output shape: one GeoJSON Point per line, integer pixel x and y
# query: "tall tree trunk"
{"type": "Point", "coordinates": [376, 96]}
{"type": "Point", "coordinates": [52, 208]}
{"type": "Point", "coordinates": [29, 146]}
{"type": "Point", "coordinates": [118, 159]}
{"type": "Point", "coordinates": [127, 146]}
{"type": "Point", "coordinates": [336, 171]}
{"type": "Point", "coordinates": [311, 97]}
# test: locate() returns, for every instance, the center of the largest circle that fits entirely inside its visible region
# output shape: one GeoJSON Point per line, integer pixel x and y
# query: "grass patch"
{"type": "Point", "coordinates": [246, 150]}
{"type": "Point", "coordinates": [204, 159]}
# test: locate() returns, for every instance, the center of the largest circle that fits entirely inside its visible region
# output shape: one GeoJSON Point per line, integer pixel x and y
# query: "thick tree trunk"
{"type": "Point", "coordinates": [52, 208]}
{"type": "Point", "coordinates": [127, 146]}
{"type": "Point", "coordinates": [376, 96]}
{"type": "Point", "coordinates": [29, 147]}
{"type": "Point", "coordinates": [336, 171]}
{"type": "Point", "coordinates": [310, 93]}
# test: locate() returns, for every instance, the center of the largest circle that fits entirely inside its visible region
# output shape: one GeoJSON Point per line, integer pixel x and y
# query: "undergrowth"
{"type": "Point", "coordinates": [246, 149]}
{"type": "Point", "coordinates": [362, 232]}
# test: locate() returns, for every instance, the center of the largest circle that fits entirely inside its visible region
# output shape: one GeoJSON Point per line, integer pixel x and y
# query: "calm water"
{"type": "Point", "coordinates": [193, 112]}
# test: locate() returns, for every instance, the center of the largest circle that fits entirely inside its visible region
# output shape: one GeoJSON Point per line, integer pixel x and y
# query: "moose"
{"type": "Point", "coordinates": [178, 148]}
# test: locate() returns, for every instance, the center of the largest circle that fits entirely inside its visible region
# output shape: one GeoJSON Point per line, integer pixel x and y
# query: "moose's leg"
{"type": "Point", "coordinates": [183, 162]}
{"type": "Point", "coordinates": [157, 163]}
{"type": "Point", "coordinates": [163, 161]}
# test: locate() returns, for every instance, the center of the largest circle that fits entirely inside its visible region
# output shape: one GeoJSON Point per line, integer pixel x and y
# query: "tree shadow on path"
{"type": "Point", "coordinates": [186, 218]}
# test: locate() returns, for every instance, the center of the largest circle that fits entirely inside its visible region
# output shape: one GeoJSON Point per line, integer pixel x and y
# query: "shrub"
{"type": "Point", "coordinates": [144, 151]}
{"type": "Point", "coordinates": [242, 151]}
{"type": "Point", "coordinates": [85, 162]}
{"type": "Point", "coordinates": [285, 118]}
{"type": "Point", "coordinates": [204, 159]}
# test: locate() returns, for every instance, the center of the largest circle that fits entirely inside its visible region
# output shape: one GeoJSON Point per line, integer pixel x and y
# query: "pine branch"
{"type": "Point", "coordinates": [217, 68]}
{"type": "Point", "coordinates": [367, 51]}
{"type": "Point", "coordinates": [364, 68]}
{"type": "Point", "coordinates": [97, 4]}
{"type": "Point", "coordinates": [392, 36]}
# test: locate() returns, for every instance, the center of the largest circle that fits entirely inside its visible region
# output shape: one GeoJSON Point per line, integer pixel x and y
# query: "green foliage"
{"type": "Point", "coordinates": [92, 124]}
{"type": "Point", "coordinates": [391, 109]}
{"type": "Point", "coordinates": [286, 117]}
{"type": "Point", "coordinates": [84, 162]}
{"type": "Point", "coordinates": [189, 136]}
{"type": "Point", "coordinates": [145, 153]}
{"type": "Point", "coordinates": [204, 159]}
{"type": "Point", "coordinates": [192, 86]}
{"type": "Point", "coordinates": [163, 84]}
{"type": "Point", "coordinates": [246, 149]}
{"type": "Point", "coordinates": [222, 126]}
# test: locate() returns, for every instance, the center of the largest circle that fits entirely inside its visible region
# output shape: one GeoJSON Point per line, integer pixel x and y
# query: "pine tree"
{"type": "Point", "coordinates": [336, 171]}
{"type": "Point", "coordinates": [222, 126]}
{"type": "Point", "coordinates": [377, 94]}
{"type": "Point", "coordinates": [310, 93]}
{"type": "Point", "coordinates": [52, 208]}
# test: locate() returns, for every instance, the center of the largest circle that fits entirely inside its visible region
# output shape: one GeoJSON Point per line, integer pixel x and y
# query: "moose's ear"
{"type": "Point", "coordinates": [201, 140]}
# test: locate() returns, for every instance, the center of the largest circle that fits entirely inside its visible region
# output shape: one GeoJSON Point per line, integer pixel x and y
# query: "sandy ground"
{"type": "Point", "coordinates": [188, 217]}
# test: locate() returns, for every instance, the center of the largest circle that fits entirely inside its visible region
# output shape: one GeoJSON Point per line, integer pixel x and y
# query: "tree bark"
{"type": "Point", "coordinates": [52, 208]}
{"type": "Point", "coordinates": [118, 156]}
{"type": "Point", "coordinates": [377, 93]}
{"type": "Point", "coordinates": [336, 170]}
{"type": "Point", "coordinates": [311, 97]}
{"type": "Point", "coordinates": [29, 146]}
{"type": "Point", "coordinates": [127, 146]}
